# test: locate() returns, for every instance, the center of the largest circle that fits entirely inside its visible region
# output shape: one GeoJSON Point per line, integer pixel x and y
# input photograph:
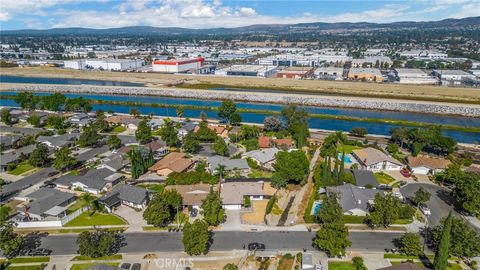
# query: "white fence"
{"type": "Point", "coordinates": [52, 223]}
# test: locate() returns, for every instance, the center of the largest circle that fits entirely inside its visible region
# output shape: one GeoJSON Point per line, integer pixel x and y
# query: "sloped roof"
{"type": "Point", "coordinates": [263, 155]}
{"type": "Point", "coordinates": [191, 194]}
{"type": "Point", "coordinates": [174, 161]}
{"type": "Point", "coordinates": [370, 156]}
{"type": "Point", "coordinates": [233, 192]}
{"type": "Point", "coordinates": [352, 197]}
{"type": "Point", "coordinates": [431, 163]}
{"type": "Point", "coordinates": [364, 178]}
{"type": "Point", "coordinates": [230, 164]}
{"type": "Point", "coordinates": [127, 193]}
{"type": "Point", "coordinates": [404, 266]}
{"type": "Point", "coordinates": [45, 199]}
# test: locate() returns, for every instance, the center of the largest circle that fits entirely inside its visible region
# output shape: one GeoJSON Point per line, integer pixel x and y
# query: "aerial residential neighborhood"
{"type": "Point", "coordinates": [239, 135]}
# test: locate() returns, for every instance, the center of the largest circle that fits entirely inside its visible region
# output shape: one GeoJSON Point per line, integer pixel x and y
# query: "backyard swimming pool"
{"type": "Point", "coordinates": [316, 207]}
{"type": "Point", "coordinates": [348, 158]}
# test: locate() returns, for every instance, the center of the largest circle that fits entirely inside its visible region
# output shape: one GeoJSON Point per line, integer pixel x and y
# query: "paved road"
{"type": "Point", "coordinates": [224, 241]}
{"type": "Point", "coordinates": [440, 202]}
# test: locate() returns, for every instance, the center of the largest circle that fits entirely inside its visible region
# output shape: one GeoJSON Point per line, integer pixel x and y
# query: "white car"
{"type": "Point", "coordinates": [425, 210]}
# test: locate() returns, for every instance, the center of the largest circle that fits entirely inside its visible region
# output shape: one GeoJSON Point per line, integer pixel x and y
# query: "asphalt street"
{"type": "Point", "coordinates": [438, 201]}
{"type": "Point", "coordinates": [224, 241]}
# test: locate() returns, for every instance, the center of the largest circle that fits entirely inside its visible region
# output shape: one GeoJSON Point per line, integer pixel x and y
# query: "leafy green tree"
{"type": "Point", "coordinates": [143, 134]}
{"type": "Point", "coordinates": [421, 196]}
{"type": "Point", "coordinates": [34, 120]}
{"type": "Point", "coordinates": [79, 104]}
{"type": "Point", "coordinates": [134, 112]}
{"type": "Point", "coordinates": [114, 142]}
{"type": "Point", "coordinates": [196, 238]}
{"type": "Point", "coordinates": [63, 159]}
{"type": "Point", "coordinates": [220, 147]}
{"type": "Point", "coordinates": [385, 210]}
{"type": "Point", "coordinates": [10, 242]}
{"type": "Point", "coordinates": [169, 134]}
{"type": "Point", "coordinates": [272, 123]}
{"type": "Point", "coordinates": [56, 121]}
{"type": "Point", "coordinates": [392, 148]}
{"type": "Point", "coordinates": [297, 124]}
{"type": "Point", "coordinates": [442, 254]}
{"type": "Point", "coordinates": [230, 266]}
{"type": "Point", "coordinates": [141, 160]}
{"type": "Point", "coordinates": [358, 263]}
{"type": "Point", "coordinates": [332, 238]}
{"type": "Point", "coordinates": [5, 116]}
{"type": "Point", "coordinates": [290, 167]}
{"type": "Point", "coordinates": [100, 123]}
{"type": "Point", "coordinates": [26, 100]}
{"type": "Point", "coordinates": [53, 102]}
{"type": "Point", "coordinates": [89, 137]}
{"type": "Point", "coordinates": [464, 241]}
{"type": "Point", "coordinates": [204, 134]}
{"type": "Point", "coordinates": [39, 156]}
{"type": "Point", "coordinates": [235, 119]}
{"type": "Point", "coordinates": [162, 209]}
{"type": "Point", "coordinates": [213, 212]}
{"type": "Point", "coordinates": [358, 132]}
{"type": "Point", "coordinates": [226, 110]}
{"type": "Point", "coordinates": [331, 211]}
{"type": "Point", "coordinates": [191, 143]}
{"type": "Point", "coordinates": [98, 243]}
{"type": "Point", "coordinates": [180, 111]}
{"type": "Point", "coordinates": [4, 212]}
{"type": "Point", "coordinates": [410, 244]}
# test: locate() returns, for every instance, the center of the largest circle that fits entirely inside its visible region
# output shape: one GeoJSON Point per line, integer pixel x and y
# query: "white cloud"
{"type": "Point", "coordinates": [468, 10]}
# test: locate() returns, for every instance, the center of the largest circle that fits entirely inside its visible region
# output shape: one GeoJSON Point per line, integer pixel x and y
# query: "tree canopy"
{"type": "Point", "coordinates": [39, 156]}
{"type": "Point", "coordinates": [196, 238]}
{"type": "Point", "coordinates": [63, 159]}
{"type": "Point", "coordinates": [220, 147]}
{"type": "Point", "coordinates": [10, 242]}
{"type": "Point", "coordinates": [290, 167]}
{"type": "Point", "coordinates": [143, 134]}
{"type": "Point", "coordinates": [162, 209]}
{"type": "Point", "coordinates": [296, 121]}
{"type": "Point", "coordinates": [213, 212]}
{"type": "Point", "coordinates": [98, 243]}
{"type": "Point", "coordinates": [227, 111]}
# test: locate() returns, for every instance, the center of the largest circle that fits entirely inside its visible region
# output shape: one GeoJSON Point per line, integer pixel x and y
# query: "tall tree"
{"type": "Point", "coordinates": [169, 134]}
{"type": "Point", "coordinates": [410, 244]}
{"type": "Point", "coordinates": [332, 238]}
{"type": "Point", "coordinates": [39, 156]}
{"type": "Point", "coordinates": [220, 147]}
{"type": "Point", "coordinates": [341, 172]}
{"type": "Point", "coordinates": [190, 143]}
{"type": "Point", "coordinates": [290, 167]}
{"type": "Point", "coordinates": [114, 142]}
{"type": "Point", "coordinates": [5, 116]}
{"type": "Point", "coordinates": [63, 159]}
{"type": "Point", "coordinates": [421, 196]}
{"type": "Point", "coordinates": [331, 210]}
{"type": "Point", "coordinates": [98, 243]}
{"type": "Point", "coordinates": [162, 209]}
{"type": "Point", "coordinates": [10, 242]}
{"type": "Point", "coordinates": [143, 134]}
{"type": "Point", "coordinates": [213, 212]}
{"type": "Point", "coordinates": [442, 254]}
{"type": "Point", "coordinates": [89, 137]}
{"type": "Point", "coordinates": [34, 120]}
{"type": "Point", "coordinates": [226, 110]}
{"type": "Point", "coordinates": [196, 238]}
{"type": "Point", "coordinates": [385, 210]}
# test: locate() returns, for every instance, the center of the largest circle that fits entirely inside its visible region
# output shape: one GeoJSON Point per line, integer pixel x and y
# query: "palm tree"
{"type": "Point", "coordinates": [90, 200]}
{"type": "Point", "coordinates": [221, 169]}
{"type": "Point", "coordinates": [180, 112]}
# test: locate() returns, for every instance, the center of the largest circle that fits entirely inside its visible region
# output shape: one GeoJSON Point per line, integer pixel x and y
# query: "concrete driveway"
{"type": "Point", "coordinates": [440, 202]}
{"type": "Point", "coordinates": [133, 217]}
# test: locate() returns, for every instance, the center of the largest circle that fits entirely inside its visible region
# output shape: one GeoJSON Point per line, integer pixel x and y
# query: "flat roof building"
{"type": "Point", "coordinates": [368, 74]}
{"type": "Point", "coordinates": [247, 70]}
{"type": "Point", "coordinates": [295, 73]}
{"type": "Point", "coordinates": [414, 76]}
{"type": "Point", "coordinates": [177, 65]}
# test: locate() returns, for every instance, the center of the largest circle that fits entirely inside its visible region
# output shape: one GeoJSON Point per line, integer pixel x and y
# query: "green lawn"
{"type": "Point", "coordinates": [255, 173]}
{"type": "Point", "coordinates": [22, 168]}
{"type": "Point", "coordinates": [104, 258]}
{"type": "Point", "coordinates": [119, 129]}
{"type": "Point", "coordinates": [84, 266]}
{"type": "Point", "coordinates": [74, 207]}
{"type": "Point", "coordinates": [26, 267]}
{"type": "Point", "coordinates": [341, 266]}
{"type": "Point", "coordinates": [29, 259]}
{"type": "Point", "coordinates": [158, 188]}
{"type": "Point", "coordinates": [86, 219]}
{"type": "Point", "coordinates": [348, 148]}
{"type": "Point", "coordinates": [384, 178]}
{"type": "Point", "coordinates": [353, 219]}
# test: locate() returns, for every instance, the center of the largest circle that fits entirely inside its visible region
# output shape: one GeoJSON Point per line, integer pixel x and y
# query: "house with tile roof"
{"type": "Point", "coordinates": [173, 162]}
{"type": "Point", "coordinates": [375, 160]}
{"type": "Point", "coordinates": [427, 165]}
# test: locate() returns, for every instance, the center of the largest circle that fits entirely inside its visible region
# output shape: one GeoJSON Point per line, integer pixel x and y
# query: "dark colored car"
{"type": "Point", "coordinates": [194, 212]}
{"type": "Point", "coordinates": [256, 246]}
{"type": "Point", "coordinates": [125, 266]}
{"type": "Point", "coordinates": [384, 187]}
{"type": "Point", "coordinates": [136, 266]}
{"type": "Point", "coordinates": [39, 252]}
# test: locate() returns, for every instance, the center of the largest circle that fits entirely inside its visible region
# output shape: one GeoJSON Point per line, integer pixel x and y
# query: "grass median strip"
{"type": "Point", "coordinates": [103, 258]}
{"type": "Point", "coordinates": [25, 267]}
{"type": "Point", "coordinates": [28, 260]}
{"type": "Point", "coordinates": [84, 266]}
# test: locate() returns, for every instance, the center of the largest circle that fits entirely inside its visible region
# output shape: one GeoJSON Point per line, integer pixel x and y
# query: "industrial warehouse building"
{"type": "Point", "coordinates": [104, 64]}
{"type": "Point", "coordinates": [296, 73]}
{"type": "Point", "coordinates": [177, 65]}
{"type": "Point", "coordinates": [248, 70]}
{"type": "Point", "coordinates": [414, 76]}
{"type": "Point", "coordinates": [367, 74]}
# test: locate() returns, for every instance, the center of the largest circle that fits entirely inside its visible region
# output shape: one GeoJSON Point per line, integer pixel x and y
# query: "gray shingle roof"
{"type": "Point", "coordinates": [87, 155]}
{"type": "Point", "coordinates": [127, 193]}
{"type": "Point", "coordinates": [230, 164]}
{"type": "Point", "coordinates": [9, 140]}
{"type": "Point", "coordinates": [15, 154]}
{"type": "Point", "coordinates": [263, 155]}
{"type": "Point", "coordinates": [45, 199]}
{"type": "Point", "coordinates": [352, 197]}
{"type": "Point", "coordinates": [364, 178]}
{"type": "Point", "coordinates": [93, 178]}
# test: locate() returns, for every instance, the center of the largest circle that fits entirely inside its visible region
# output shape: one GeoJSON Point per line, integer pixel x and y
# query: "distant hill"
{"type": "Point", "coordinates": [470, 22]}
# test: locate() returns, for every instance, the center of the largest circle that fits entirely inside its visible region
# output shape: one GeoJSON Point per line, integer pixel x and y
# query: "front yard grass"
{"type": "Point", "coordinates": [29, 259]}
{"type": "Point", "coordinates": [22, 168]}
{"type": "Point", "coordinates": [341, 266]}
{"type": "Point", "coordinates": [89, 219]}
{"type": "Point", "coordinates": [103, 258]}
{"type": "Point", "coordinates": [25, 267]}
{"type": "Point", "coordinates": [157, 188]}
{"type": "Point", "coordinates": [348, 219]}
{"type": "Point", "coordinates": [84, 266]}
{"type": "Point", "coordinates": [348, 148]}
{"type": "Point", "coordinates": [119, 129]}
{"type": "Point", "coordinates": [256, 173]}
{"type": "Point", "coordinates": [74, 207]}
{"type": "Point", "coordinates": [384, 178]}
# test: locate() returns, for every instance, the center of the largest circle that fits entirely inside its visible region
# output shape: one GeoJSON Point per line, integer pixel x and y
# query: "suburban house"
{"type": "Point", "coordinates": [158, 147]}
{"type": "Point", "coordinates": [365, 178]}
{"type": "Point", "coordinates": [221, 131]}
{"type": "Point", "coordinates": [404, 266]}
{"type": "Point", "coordinates": [264, 157]}
{"type": "Point", "coordinates": [45, 203]}
{"type": "Point", "coordinates": [94, 181]}
{"type": "Point", "coordinates": [354, 200]}
{"type": "Point", "coordinates": [230, 164]}
{"type": "Point", "coordinates": [59, 141]}
{"type": "Point", "coordinates": [114, 163]}
{"type": "Point", "coordinates": [9, 141]}
{"type": "Point", "coordinates": [15, 156]}
{"type": "Point", "coordinates": [192, 195]}
{"type": "Point", "coordinates": [127, 121]}
{"type": "Point", "coordinates": [92, 154]}
{"type": "Point", "coordinates": [233, 193]}
{"type": "Point", "coordinates": [375, 160]}
{"type": "Point", "coordinates": [80, 119]}
{"type": "Point", "coordinates": [173, 162]}
{"type": "Point", "coordinates": [129, 195]}
{"type": "Point", "coordinates": [23, 117]}
{"type": "Point", "coordinates": [186, 128]}
{"type": "Point", "coordinates": [427, 165]}
{"type": "Point", "coordinates": [155, 123]}
{"type": "Point", "coordinates": [268, 142]}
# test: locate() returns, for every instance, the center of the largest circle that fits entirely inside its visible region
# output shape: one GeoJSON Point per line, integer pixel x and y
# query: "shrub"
{"type": "Point", "coordinates": [270, 204]}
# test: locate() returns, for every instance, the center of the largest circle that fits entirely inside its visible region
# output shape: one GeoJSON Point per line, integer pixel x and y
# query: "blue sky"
{"type": "Point", "coordinates": [42, 14]}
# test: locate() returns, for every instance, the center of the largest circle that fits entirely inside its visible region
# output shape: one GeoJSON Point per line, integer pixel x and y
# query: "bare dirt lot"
{"type": "Point", "coordinates": [378, 90]}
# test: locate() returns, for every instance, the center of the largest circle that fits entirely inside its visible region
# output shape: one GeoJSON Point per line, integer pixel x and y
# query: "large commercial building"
{"type": "Point", "coordinates": [454, 77]}
{"type": "Point", "coordinates": [367, 74]}
{"type": "Point", "coordinates": [104, 64]}
{"type": "Point", "coordinates": [247, 70]}
{"type": "Point", "coordinates": [295, 73]}
{"type": "Point", "coordinates": [177, 65]}
{"type": "Point", "coordinates": [414, 76]}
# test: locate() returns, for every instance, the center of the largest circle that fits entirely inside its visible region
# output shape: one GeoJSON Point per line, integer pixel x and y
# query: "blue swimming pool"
{"type": "Point", "coordinates": [348, 158]}
{"type": "Point", "coordinates": [316, 207]}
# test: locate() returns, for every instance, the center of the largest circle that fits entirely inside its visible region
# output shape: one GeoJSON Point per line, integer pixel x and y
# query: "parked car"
{"type": "Point", "coordinates": [39, 252]}
{"type": "Point", "coordinates": [425, 210]}
{"type": "Point", "coordinates": [136, 266]}
{"type": "Point", "coordinates": [194, 212]}
{"type": "Point", "coordinates": [405, 172]}
{"type": "Point", "coordinates": [384, 187]}
{"type": "Point", "coordinates": [125, 266]}
{"type": "Point", "coordinates": [256, 246]}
